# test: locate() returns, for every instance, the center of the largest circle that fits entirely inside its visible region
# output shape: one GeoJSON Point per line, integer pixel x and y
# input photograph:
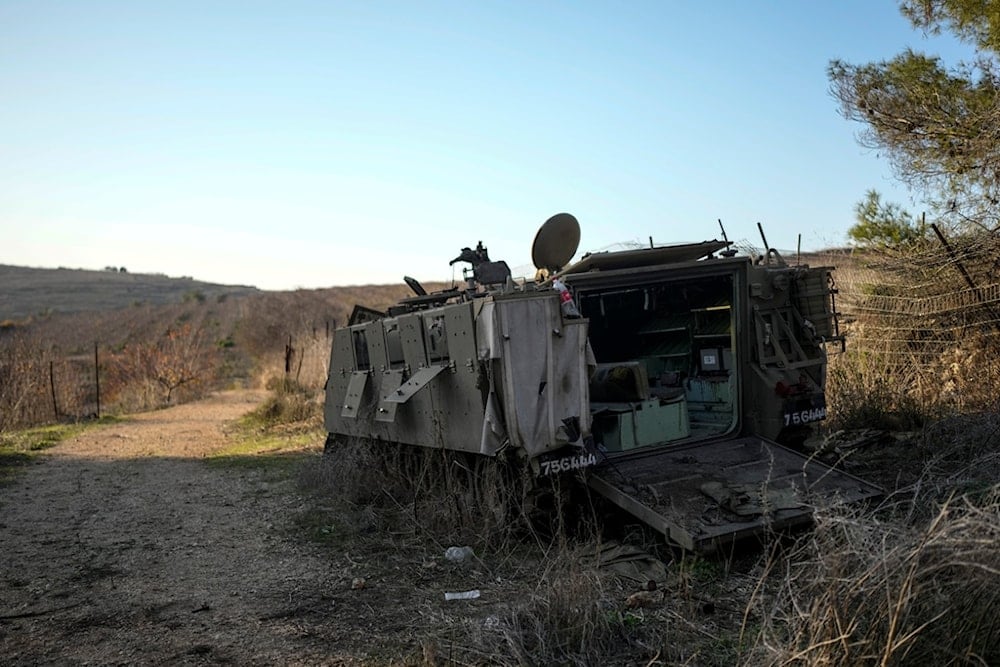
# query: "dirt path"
{"type": "Point", "coordinates": [126, 547]}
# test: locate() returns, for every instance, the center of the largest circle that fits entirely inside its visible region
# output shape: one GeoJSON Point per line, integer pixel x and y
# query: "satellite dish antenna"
{"type": "Point", "coordinates": [556, 242]}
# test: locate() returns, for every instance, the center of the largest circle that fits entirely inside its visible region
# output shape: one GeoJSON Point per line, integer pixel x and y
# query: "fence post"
{"type": "Point", "coordinates": [97, 379]}
{"type": "Point", "coordinates": [52, 387]}
{"type": "Point", "coordinates": [976, 291]}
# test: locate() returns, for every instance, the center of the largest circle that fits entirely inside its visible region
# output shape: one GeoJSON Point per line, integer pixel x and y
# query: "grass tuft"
{"type": "Point", "coordinates": [868, 389]}
{"type": "Point", "coordinates": [448, 495]}
{"type": "Point", "coordinates": [569, 619]}
{"type": "Point", "coordinates": [288, 404]}
{"type": "Point", "coordinates": [281, 431]}
{"type": "Point", "coordinates": [861, 591]}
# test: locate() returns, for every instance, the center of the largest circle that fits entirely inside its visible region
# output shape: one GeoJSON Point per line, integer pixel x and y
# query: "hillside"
{"type": "Point", "coordinates": [153, 332]}
{"type": "Point", "coordinates": [30, 292]}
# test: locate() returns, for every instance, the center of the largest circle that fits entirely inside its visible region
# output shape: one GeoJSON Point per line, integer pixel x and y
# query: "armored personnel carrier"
{"type": "Point", "coordinates": [673, 380]}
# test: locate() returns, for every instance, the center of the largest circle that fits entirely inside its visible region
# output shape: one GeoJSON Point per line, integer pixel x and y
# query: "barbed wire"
{"type": "Point", "coordinates": [920, 301]}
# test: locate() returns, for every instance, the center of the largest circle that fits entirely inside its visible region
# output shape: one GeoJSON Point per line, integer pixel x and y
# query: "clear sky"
{"type": "Point", "coordinates": [309, 144]}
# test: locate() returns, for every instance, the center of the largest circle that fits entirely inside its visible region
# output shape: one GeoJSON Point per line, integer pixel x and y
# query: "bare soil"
{"type": "Point", "coordinates": [136, 544]}
{"type": "Point", "coordinates": [126, 546]}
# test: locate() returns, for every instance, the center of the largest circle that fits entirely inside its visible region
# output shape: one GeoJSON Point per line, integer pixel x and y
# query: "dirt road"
{"type": "Point", "coordinates": [125, 547]}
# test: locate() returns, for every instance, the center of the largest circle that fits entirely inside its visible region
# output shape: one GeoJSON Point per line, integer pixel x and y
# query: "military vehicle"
{"type": "Point", "coordinates": [673, 380]}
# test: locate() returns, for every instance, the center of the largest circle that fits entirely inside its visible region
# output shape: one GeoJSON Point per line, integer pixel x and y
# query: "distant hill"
{"type": "Point", "coordinates": [25, 291]}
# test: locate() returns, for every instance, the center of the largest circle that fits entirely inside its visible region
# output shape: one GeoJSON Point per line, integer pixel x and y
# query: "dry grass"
{"type": "Point", "coordinates": [861, 591]}
{"type": "Point", "coordinates": [869, 389]}
{"type": "Point", "coordinates": [244, 338]}
{"type": "Point", "coordinates": [444, 494]}
{"type": "Point", "coordinates": [547, 600]}
{"type": "Point", "coordinates": [547, 603]}
{"type": "Point", "coordinates": [913, 582]}
{"type": "Point", "coordinates": [568, 618]}
{"type": "Point", "coordinates": [35, 389]}
{"type": "Point", "coordinates": [289, 403]}
{"type": "Point", "coordinates": [922, 343]}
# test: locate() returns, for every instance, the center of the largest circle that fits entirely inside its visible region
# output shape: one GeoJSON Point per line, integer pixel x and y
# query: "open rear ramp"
{"type": "Point", "coordinates": [704, 495]}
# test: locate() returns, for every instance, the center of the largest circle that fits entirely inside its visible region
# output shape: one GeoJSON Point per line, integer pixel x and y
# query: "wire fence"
{"type": "Point", "coordinates": [922, 325]}
{"type": "Point", "coordinates": [39, 385]}
{"type": "Point", "coordinates": [923, 301]}
{"type": "Point", "coordinates": [37, 388]}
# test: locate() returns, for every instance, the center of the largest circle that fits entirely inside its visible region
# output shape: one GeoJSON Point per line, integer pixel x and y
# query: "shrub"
{"type": "Point", "coordinates": [180, 360]}
{"type": "Point", "coordinates": [286, 408]}
{"type": "Point", "coordinates": [872, 389]}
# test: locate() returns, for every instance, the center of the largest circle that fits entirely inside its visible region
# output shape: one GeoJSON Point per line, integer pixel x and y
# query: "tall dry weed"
{"type": "Point", "coordinates": [923, 334]}
{"type": "Point", "coordinates": [869, 388]}
{"type": "Point", "coordinates": [569, 612]}
{"type": "Point", "coordinates": [39, 386]}
{"type": "Point", "coordinates": [566, 620]}
{"type": "Point", "coordinates": [954, 456]}
{"type": "Point", "coordinates": [860, 591]}
{"type": "Point", "coordinates": [289, 405]}
{"type": "Point", "coordinates": [448, 496]}
{"type": "Point", "coordinates": [22, 384]}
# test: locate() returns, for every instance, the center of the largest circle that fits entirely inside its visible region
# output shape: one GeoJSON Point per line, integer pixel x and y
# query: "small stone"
{"type": "Point", "coordinates": [458, 554]}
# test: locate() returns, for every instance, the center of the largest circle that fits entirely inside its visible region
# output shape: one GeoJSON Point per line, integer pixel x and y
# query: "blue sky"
{"type": "Point", "coordinates": [309, 144]}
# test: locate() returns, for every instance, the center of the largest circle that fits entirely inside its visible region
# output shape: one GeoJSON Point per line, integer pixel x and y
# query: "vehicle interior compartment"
{"type": "Point", "coordinates": [665, 362]}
